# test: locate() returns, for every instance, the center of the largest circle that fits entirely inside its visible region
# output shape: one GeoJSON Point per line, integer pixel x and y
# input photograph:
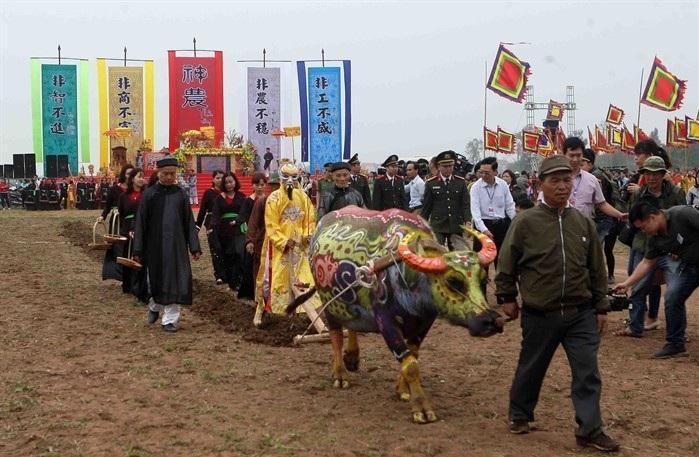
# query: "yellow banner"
{"type": "Point", "coordinates": [125, 85]}
{"type": "Point", "coordinates": [292, 131]}
{"type": "Point", "coordinates": [150, 102]}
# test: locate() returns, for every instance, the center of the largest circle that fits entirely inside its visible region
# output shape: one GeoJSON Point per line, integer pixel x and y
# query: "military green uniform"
{"type": "Point", "coordinates": [446, 205]}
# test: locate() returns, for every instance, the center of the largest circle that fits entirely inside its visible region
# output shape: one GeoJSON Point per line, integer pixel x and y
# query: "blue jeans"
{"type": "Point", "coordinates": [644, 288]}
{"type": "Point", "coordinates": [604, 226]}
{"type": "Point", "coordinates": [681, 280]}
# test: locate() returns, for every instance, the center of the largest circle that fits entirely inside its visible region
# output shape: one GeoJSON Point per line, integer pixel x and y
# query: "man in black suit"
{"type": "Point", "coordinates": [358, 181]}
{"type": "Point", "coordinates": [389, 189]}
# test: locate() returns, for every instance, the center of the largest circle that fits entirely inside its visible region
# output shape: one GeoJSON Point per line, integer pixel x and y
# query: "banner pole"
{"type": "Point", "coordinates": [640, 94]}
{"type": "Point", "coordinates": [485, 103]}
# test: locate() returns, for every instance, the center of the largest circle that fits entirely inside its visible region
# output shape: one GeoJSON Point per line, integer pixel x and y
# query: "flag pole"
{"type": "Point", "coordinates": [485, 103]}
{"type": "Point", "coordinates": [640, 94]}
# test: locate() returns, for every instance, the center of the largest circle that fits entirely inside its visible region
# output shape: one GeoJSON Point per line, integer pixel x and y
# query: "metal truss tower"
{"type": "Point", "coordinates": [530, 106]}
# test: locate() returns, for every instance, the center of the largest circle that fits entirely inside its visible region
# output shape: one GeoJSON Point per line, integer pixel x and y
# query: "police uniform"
{"type": "Point", "coordinates": [359, 182]}
{"type": "Point", "coordinates": [447, 205]}
{"type": "Point", "coordinates": [389, 192]}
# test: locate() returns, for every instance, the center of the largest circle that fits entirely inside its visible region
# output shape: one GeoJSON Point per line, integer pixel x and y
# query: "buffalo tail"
{"type": "Point", "coordinates": [291, 307]}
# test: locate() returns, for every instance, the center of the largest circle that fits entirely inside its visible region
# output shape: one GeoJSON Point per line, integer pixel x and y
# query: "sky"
{"type": "Point", "coordinates": [418, 68]}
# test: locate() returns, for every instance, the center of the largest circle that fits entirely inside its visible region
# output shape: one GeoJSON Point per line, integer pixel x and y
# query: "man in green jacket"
{"type": "Point", "coordinates": [667, 195]}
{"type": "Point", "coordinates": [553, 254]}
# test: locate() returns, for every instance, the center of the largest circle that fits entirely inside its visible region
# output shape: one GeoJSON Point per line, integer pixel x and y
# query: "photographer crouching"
{"type": "Point", "coordinates": [673, 247]}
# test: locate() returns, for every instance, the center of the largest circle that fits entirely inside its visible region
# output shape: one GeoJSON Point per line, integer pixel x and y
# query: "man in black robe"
{"type": "Point", "coordinates": [164, 232]}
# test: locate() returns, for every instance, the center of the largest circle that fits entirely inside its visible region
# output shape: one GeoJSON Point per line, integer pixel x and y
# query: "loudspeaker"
{"type": "Point", "coordinates": [51, 165]}
{"type": "Point", "coordinates": [29, 164]}
{"type": "Point", "coordinates": [63, 170]}
{"type": "Point", "coordinates": [18, 165]}
{"type": "Point", "coordinates": [7, 171]}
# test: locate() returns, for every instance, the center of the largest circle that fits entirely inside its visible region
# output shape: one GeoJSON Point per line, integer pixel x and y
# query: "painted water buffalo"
{"type": "Point", "coordinates": [416, 280]}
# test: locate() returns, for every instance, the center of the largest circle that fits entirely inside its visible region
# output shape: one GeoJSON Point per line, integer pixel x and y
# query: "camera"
{"type": "Point", "coordinates": [619, 302]}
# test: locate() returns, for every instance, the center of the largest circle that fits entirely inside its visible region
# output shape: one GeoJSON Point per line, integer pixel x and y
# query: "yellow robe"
{"type": "Point", "coordinates": [285, 220]}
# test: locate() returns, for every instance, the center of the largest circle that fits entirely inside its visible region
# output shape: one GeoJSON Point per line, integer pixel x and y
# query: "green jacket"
{"type": "Point", "coordinates": [670, 195]}
{"type": "Point", "coordinates": [556, 259]}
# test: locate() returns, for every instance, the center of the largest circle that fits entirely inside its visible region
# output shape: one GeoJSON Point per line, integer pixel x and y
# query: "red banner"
{"type": "Point", "coordinates": [196, 95]}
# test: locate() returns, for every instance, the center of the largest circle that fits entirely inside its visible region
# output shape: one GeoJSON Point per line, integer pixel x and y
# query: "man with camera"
{"type": "Point", "coordinates": [673, 247]}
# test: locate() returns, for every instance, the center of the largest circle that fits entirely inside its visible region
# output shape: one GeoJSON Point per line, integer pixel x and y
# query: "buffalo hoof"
{"type": "Point", "coordinates": [424, 417]}
{"type": "Point", "coordinates": [351, 360]}
{"type": "Point", "coordinates": [341, 384]}
{"type": "Point", "coordinates": [257, 320]}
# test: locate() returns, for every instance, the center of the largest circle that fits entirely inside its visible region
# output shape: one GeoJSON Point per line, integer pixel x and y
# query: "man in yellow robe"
{"type": "Point", "coordinates": [284, 268]}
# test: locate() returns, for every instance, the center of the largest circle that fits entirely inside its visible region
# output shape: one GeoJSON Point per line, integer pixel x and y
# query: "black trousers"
{"type": "Point", "coordinates": [608, 248]}
{"type": "Point", "coordinates": [232, 249]}
{"type": "Point", "coordinates": [541, 336]}
{"type": "Point", "coordinates": [498, 227]}
{"type": "Point", "coordinates": [216, 257]}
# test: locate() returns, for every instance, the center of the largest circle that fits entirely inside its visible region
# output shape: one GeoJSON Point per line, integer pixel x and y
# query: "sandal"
{"type": "Point", "coordinates": [628, 332]}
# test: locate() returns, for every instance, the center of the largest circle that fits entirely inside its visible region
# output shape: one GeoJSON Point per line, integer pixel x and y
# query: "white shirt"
{"type": "Point", "coordinates": [416, 190]}
{"type": "Point", "coordinates": [489, 202]}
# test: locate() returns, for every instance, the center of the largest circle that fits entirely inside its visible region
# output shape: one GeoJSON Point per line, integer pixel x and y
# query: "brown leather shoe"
{"type": "Point", "coordinates": [519, 427]}
{"type": "Point", "coordinates": [601, 441]}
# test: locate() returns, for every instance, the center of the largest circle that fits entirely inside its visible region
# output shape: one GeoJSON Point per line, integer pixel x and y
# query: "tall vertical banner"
{"type": "Point", "coordinates": [320, 94]}
{"type": "Point", "coordinates": [125, 85]}
{"type": "Point", "coordinates": [196, 95]}
{"type": "Point", "coordinates": [60, 117]}
{"type": "Point", "coordinates": [264, 114]}
{"type": "Point", "coordinates": [59, 112]}
{"type": "Point", "coordinates": [325, 116]}
{"type": "Point", "coordinates": [126, 101]}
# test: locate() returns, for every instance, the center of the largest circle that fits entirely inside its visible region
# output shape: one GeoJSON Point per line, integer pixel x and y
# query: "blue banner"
{"type": "Point", "coordinates": [324, 116]}
{"type": "Point", "coordinates": [59, 99]}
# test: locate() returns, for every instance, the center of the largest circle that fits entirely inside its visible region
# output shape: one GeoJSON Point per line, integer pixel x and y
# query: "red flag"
{"type": "Point", "coordinates": [591, 140]}
{"type": "Point", "coordinates": [490, 139]}
{"type": "Point", "coordinates": [664, 90]}
{"type": "Point", "coordinates": [530, 141]}
{"type": "Point", "coordinates": [614, 115]}
{"type": "Point", "coordinates": [196, 95]}
{"type": "Point", "coordinates": [509, 76]}
{"type": "Point", "coordinates": [627, 141]}
{"type": "Point", "coordinates": [601, 140]}
{"type": "Point", "coordinates": [681, 131]}
{"type": "Point", "coordinates": [555, 111]}
{"type": "Point", "coordinates": [670, 140]}
{"type": "Point", "coordinates": [506, 141]}
{"type": "Point", "coordinates": [639, 134]}
{"type": "Point", "coordinates": [560, 139]}
{"type": "Point", "coordinates": [545, 145]}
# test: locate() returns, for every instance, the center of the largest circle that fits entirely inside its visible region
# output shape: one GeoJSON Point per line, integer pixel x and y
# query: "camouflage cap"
{"type": "Point", "coordinates": [653, 163]}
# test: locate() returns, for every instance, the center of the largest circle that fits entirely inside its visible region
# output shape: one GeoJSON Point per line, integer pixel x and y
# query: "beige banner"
{"type": "Point", "coordinates": [125, 85]}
